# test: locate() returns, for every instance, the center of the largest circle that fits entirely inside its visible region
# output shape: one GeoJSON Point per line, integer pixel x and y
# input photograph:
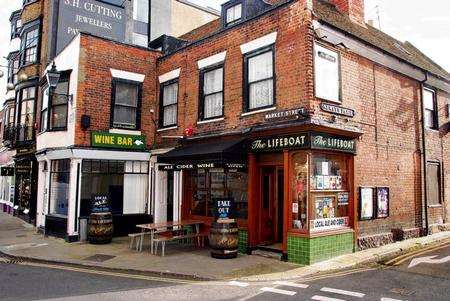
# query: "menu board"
{"type": "Point", "coordinates": [366, 211]}
{"type": "Point", "coordinates": [382, 202]}
{"type": "Point", "coordinates": [100, 204]}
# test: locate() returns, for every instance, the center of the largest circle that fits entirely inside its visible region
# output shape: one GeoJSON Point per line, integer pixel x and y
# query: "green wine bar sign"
{"type": "Point", "coordinates": [113, 140]}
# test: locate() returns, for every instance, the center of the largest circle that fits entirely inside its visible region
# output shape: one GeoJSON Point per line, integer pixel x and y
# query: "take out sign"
{"type": "Point", "coordinates": [113, 140]}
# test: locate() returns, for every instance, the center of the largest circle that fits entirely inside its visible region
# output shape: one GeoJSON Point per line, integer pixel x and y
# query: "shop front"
{"type": "Point", "coordinates": [292, 193]}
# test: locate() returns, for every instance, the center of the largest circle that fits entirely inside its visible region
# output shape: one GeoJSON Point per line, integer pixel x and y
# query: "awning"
{"type": "Point", "coordinates": [215, 153]}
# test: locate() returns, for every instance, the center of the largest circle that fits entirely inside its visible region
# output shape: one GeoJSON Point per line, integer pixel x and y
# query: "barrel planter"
{"type": "Point", "coordinates": [223, 240]}
{"type": "Point", "coordinates": [100, 228]}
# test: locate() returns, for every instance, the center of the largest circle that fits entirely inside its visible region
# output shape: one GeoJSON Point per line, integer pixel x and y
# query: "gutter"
{"type": "Point", "coordinates": [424, 160]}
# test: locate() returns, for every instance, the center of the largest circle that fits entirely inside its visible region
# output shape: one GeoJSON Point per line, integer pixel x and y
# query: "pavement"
{"type": "Point", "coordinates": [20, 240]}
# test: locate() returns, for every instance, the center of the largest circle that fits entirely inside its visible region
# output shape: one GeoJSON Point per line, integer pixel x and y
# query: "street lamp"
{"type": "Point", "coordinates": [53, 76]}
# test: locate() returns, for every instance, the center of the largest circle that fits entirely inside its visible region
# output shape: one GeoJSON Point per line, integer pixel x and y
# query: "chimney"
{"type": "Point", "coordinates": [353, 8]}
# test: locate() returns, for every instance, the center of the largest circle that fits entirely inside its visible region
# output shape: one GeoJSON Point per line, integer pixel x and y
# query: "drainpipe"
{"type": "Point", "coordinates": [424, 158]}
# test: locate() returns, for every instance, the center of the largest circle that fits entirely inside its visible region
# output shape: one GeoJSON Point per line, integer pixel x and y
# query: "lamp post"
{"type": "Point", "coordinates": [53, 76]}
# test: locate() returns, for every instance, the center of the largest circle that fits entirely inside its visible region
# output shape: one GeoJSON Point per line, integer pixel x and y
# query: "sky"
{"type": "Point", "coordinates": [426, 24]}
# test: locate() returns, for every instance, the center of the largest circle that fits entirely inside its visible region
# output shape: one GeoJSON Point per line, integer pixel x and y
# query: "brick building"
{"type": "Point", "coordinates": [311, 121]}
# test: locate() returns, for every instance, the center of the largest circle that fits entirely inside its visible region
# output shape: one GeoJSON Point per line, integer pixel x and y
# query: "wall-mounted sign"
{"type": "Point", "coordinates": [100, 204]}
{"type": "Point", "coordinates": [366, 204]}
{"type": "Point", "coordinates": [326, 141]}
{"type": "Point", "coordinates": [224, 208]}
{"type": "Point", "coordinates": [328, 224]}
{"type": "Point", "coordinates": [203, 165]}
{"type": "Point", "coordinates": [280, 143]}
{"type": "Point", "coordinates": [382, 202]}
{"type": "Point", "coordinates": [338, 110]}
{"type": "Point", "coordinates": [7, 171]}
{"type": "Point", "coordinates": [112, 140]}
{"type": "Point", "coordinates": [287, 114]}
{"type": "Point", "coordinates": [23, 167]}
{"type": "Point", "coordinates": [96, 17]}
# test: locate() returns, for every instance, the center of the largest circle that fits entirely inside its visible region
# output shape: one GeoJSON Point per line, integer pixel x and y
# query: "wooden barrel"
{"type": "Point", "coordinates": [223, 239]}
{"type": "Point", "coordinates": [100, 228]}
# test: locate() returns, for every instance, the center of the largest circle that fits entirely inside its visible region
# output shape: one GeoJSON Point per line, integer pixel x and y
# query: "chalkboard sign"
{"type": "Point", "coordinates": [224, 208]}
{"type": "Point", "coordinates": [100, 204]}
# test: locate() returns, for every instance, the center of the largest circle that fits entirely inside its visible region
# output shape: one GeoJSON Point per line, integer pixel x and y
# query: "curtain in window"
{"type": "Point", "coordinates": [260, 73]}
{"type": "Point", "coordinates": [135, 192]}
{"type": "Point", "coordinates": [234, 13]}
{"type": "Point", "coordinates": [212, 89]}
{"type": "Point", "coordinates": [170, 98]}
{"type": "Point", "coordinates": [125, 104]}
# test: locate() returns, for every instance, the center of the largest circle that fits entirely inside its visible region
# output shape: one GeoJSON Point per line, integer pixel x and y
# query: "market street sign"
{"type": "Point", "coordinates": [112, 140]}
{"type": "Point", "coordinates": [338, 110]}
{"type": "Point", "coordinates": [329, 142]}
{"type": "Point", "coordinates": [286, 114]}
{"type": "Point", "coordinates": [91, 16]}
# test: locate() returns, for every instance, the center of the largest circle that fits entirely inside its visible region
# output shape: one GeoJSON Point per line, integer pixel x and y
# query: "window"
{"type": "Point", "coordinates": [169, 104]}
{"type": "Point", "coordinates": [430, 109]}
{"type": "Point", "coordinates": [29, 46]}
{"type": "Point", "coordinates": [234, 14]}
{"type": "Point", "coordinates": [433, 183]}
{"type": "Point", "coordinates": [13, 67]}
{"type": "Point", "coordinates": [16, 24]}
{"type": "Point", "coordinates": [140, 10]}
{"type": "Point", "coordinates": [204, 186]}
{"type": "Point", "coordinates": [126, 183]}
{"type": "Point", "coordinates": [259, 79]}
{"type": "Point", "coordinates": [326, 73]}
{"type": "Point", "coordinates": [54, 107]}
{"type": "Point", "coordinates": [211, 94]}
{"type": "Point", "coordinates": [126, 104]}
{"type": "Point", "coordinates": [26, 117]}
{"type": "Point", "coordinates": [59, 187]}
{"type": "Point", "coordinates": [44, 109]}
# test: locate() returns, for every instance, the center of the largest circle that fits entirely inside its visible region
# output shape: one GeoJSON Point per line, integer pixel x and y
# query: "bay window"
{"type": "Point", "coordinates": [29, 47]}
{"type": "Point", "coordinates": [169, 104]}
{"type": "Point", "coordinates": [126, 104]}
{"type": "Point", "coordinates": [211, 93]}
{"type": "Point", "coordinates": [259, 79]}
{"type": "Point", "coordinates": [326, 74]}
{"type": "Point", "coordinates": [27, 98]}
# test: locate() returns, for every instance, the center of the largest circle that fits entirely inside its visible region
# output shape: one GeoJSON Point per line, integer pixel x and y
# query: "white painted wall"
{"type": "Point", "coordinates": [68, 59]}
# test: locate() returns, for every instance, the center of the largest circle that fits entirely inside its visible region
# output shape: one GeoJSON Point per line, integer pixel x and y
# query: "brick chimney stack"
{"type": "Point", "coordinates": [353, 8]}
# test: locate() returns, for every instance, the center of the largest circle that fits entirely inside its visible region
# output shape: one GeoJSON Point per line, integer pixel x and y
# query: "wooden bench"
{"type": "Point", "coordinates": [163, 239]}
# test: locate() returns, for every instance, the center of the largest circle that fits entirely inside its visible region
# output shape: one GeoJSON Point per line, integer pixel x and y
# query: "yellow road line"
{"type": "Point", "coordinates": [402, 258]}
{"type": "Point", "coordinates": [338, 274]}
{"type": "Point", "coordinates": [106, 273]}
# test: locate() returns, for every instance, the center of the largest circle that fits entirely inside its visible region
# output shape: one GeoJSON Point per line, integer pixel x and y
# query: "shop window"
{"type": "Point", "coordinates": [259, 79]}
{"type": "Point", "coordinates": [26, 118]}
{"type": "Point", "coordinates": [234, 14]}
{"type": "Point", "coordinates": [169, 104]}
{"type": "Point", "coordinates": [204, 186]}
{"type": "Point", "coordinates": [125, 182]}
{"type": "Point", "coordinates": [29, 47]}
{"type": "Point", "coordinates": [299, 188]}
{"type": "Point", "coordinates": [126, 101]}
{"type": "Point", "coordinates": [59, 187]}
{"type": "Point", "coordinates": [326, 73]}
{"type": "Point", "coordinates": [329, 192]}
{"type": "Point", "coordinates": [211, 93]}
{"type": "Point", "coordinates": [430, 109]}
{"type": "Point", "coordinates": [433, 183]}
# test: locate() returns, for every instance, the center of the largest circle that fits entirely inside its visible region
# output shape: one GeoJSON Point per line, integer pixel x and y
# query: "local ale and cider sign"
{"type": "Point", "coordinates": [100, 204]}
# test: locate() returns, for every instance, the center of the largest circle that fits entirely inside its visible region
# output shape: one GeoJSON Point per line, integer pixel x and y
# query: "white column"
{"type": "Point", "coordinates": [73, 208]}
{"type": "Point", "coordinates": [177, 194]}
{"type": "Point", "coordinates": [41, 193]}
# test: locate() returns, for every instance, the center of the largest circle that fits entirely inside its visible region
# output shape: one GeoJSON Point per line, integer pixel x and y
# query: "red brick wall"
{"type": "Point", "coordinates": [97, 57]}
{"type": "Point", "coordinates": [293, 62]}
{"type": "Point", "coordinates": [353, 8]}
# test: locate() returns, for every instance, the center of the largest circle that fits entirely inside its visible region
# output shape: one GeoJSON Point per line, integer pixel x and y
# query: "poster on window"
{"type": "Point", "coordinates": [324, 207]}
{"type": "Point", "coordinates": [382, 202]}
{"type": "Point", "coordinates": [366, 203]}
{"type": "Point", "coordinates": [326, 65]}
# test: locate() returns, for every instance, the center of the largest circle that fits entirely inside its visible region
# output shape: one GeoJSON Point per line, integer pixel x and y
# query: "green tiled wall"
{"type": "Point", "coordinates": [305, 251]}
{"type": "Point", "coordinates": [242, 241]}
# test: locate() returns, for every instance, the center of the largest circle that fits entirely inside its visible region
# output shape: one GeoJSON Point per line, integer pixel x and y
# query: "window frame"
{"type": "Point", "coordinates": [24, 48]}
{"type": "Point", "coordinates": [338, 54]}
{"type": "Point", "coordinates": [20, 107]}
{"type": "Point", "coordinates": [51, 172]}
{"type": "Point", "coordinates": [161, 101]}
{"type": "Point", "coordinates": [233, 22]}
{"type": "Point", "coordinates": [138, 86]}
{"type": "Point", "coordinates": [202, 95]}
{"type": "Point", "coordinates": [65, 78]}
{"type": "Point", "coordinates": [435, 125]}
{"type": "Point", "coordinates": [440, 194]}
{"type": "Point", "coordinates": [246, 84]}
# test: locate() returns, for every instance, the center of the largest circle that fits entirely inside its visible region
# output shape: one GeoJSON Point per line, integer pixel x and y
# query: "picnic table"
{"type": "Point", "coordinates": [164, 227]}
